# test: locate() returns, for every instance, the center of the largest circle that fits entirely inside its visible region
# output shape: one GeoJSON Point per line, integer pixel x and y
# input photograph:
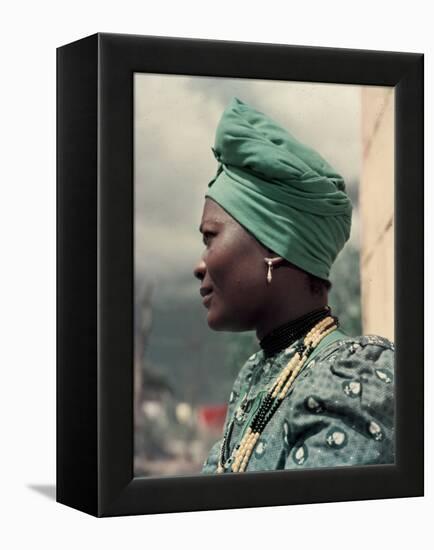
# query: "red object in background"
{"type": "Point", "coordinates": [212, 416]}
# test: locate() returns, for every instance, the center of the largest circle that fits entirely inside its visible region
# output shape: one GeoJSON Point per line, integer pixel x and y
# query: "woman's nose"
{"type": "Point", "coordinates": [199, 270]}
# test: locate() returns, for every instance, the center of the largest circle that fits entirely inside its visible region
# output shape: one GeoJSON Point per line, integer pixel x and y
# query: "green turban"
{"type": "Point", "coordinates": [284, 193]}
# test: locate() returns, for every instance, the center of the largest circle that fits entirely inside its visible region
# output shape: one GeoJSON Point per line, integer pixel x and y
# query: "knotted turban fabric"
{"type": "Point", "coordinates": [281, 191]}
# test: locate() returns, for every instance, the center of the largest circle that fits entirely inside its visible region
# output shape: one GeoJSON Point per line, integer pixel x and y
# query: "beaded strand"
{"type": "Point", "coordinates": [276, 394]}
{"type": "Point", "coordinates": [278, 339]}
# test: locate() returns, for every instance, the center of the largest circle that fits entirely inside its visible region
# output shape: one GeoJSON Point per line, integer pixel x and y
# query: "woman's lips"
{"type": "Point", "coordinates": [207, 299]}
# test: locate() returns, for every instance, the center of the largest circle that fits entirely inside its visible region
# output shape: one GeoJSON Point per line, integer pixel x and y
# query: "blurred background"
{"type": "Point", "coordinates": [183, 371]}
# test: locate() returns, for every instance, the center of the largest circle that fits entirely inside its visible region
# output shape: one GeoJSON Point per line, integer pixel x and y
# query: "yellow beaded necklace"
{"type": "Point", "coordinates": [276, 393]}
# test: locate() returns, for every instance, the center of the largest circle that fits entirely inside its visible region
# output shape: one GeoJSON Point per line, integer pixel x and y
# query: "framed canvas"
{"type": "Point", "coordinates": [143, 384]}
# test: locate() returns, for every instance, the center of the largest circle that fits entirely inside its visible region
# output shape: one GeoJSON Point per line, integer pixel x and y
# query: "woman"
{"type": "Point", "coordinates": [275, 217]}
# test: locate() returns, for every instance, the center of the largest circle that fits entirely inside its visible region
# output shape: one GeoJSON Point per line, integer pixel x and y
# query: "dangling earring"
{"type": "Point", "coordinates": [270, 269]}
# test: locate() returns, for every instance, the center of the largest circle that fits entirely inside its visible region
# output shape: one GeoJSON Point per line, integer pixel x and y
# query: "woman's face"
{"type": "Point", "coordinates": [232, 272]}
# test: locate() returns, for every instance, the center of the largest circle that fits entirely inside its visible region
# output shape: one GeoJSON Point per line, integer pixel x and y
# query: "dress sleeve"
{"type": "Point", "coordinates": [341, 409]}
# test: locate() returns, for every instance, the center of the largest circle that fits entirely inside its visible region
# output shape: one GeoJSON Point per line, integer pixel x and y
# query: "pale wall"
{"type": "Point", "coordinates": [377, 211]}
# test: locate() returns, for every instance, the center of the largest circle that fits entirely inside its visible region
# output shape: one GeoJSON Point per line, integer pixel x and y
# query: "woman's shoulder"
{"type": "Point", "coordinates": [347, 356]}
{"type": "Point", "coordinates": [346, 391]}
{"type": "Point", "coordinates": [351, 354]}
{"type": "Point", "coordinates": [370, 348]}
{"type": "Point", "coordinates": [352, 366]}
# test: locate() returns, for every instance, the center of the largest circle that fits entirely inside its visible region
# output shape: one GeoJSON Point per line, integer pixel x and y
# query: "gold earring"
{"type": "Point", "coordinates": [270, 269]}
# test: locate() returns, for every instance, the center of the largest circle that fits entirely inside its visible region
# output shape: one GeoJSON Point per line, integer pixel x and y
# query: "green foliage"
{"type": "Point", "coordinates": [344, 297]}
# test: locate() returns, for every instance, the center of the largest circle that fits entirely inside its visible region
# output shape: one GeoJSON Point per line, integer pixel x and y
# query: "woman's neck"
{"type": "Point", "coordinates": [281, 313]}
{"type": "Point", "coordinates": [289, 332]}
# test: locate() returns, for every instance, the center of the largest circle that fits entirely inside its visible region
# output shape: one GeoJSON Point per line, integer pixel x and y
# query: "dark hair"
{"type": "Point", "coordinates": [318, 285]}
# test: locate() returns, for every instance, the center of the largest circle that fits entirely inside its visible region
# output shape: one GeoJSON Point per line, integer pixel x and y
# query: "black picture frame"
{"type": "Point", "coordinates": [95, 276]}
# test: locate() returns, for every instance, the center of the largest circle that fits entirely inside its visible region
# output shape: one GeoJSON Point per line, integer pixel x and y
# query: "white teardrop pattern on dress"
{"type": "Point", "coordinates": [352, 388]}
{"type": "Point", "coordinates": [375, 431]}
{"type": "Point", "coordinates": [300, 454]}
{"type": "Point", "coordinates": [383, 376]}
{"type": "Point", "coordinates": [232, 397]}
{"type": "Point", "coordinates": [285, 433]}
{"type": "Point", "coordinates": [260, 448]}
{"type": "Point", "coordinates": [313, 404]}
{"type": "Point", "coordinates": [336, 438]}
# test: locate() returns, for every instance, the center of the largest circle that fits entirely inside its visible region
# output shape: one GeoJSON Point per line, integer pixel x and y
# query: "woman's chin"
{"type": "Point", "coordinates": [214, 322]}
{"type": "Point", "coordinates": [219, 322]}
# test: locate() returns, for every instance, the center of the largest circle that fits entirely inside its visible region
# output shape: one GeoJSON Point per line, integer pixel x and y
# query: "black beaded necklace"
{"type": "Point", "coordinates": [284, 335]}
